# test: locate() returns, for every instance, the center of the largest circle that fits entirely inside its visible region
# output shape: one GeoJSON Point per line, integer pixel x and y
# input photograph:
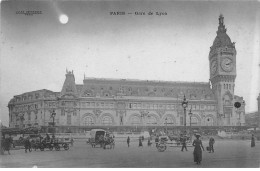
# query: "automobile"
{"type": "Point", "coordinates": [95, 135]}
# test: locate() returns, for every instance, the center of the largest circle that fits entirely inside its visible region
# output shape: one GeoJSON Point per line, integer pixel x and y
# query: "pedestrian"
{"type": "Point", "coordinates": [47, 137]}
{"type": "Point", "coordinates": [72, 141]}
{"type": "Point", "coordinates": [156, 141]}
{"type": "Point", "coordinates": [211, 143]}
{"type": "Point", "coordinates": [27, 145]}
{"type": "Point", "coordinates": [253, 141]}
{"type": "Point", "coordinates": [140, 142]}
{"type": "Point", "coordinates": [197, 153]}
{"type": "Point", "coordinates": [183, 142]}
{"type": "Point", "coordinates": [149, 142]}
{"type": "Point", "coordinates": [128, 141]}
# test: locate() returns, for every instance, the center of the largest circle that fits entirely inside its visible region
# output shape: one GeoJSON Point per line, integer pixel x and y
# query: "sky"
{"type": "Point", "coordinates": [37, 49]}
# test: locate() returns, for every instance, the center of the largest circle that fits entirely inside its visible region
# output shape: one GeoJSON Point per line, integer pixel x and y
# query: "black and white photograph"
{"type": "Point", "coordinates": [130, 84]}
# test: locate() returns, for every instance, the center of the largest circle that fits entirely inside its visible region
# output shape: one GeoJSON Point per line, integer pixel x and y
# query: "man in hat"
{"type": "Point", "coordinates": [183, 142]}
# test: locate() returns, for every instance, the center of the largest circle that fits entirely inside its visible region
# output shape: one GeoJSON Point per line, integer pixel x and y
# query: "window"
{"type": "Point", "coordinates": [151, 120]}
{"type": "Point", "coordinates": [169, 121]}
{"type": "Point", "coordinates": [69, 119]}
{"type": "Point", "coordinates": [181, 120]}
{"type": "Point", "coordinates": [29, 116]}
{"type": "Point", "coordinates": [107, 120]}
{"type": "Point", "coordinates": [194, 121]}
{"type": "Point", "coordinates": [62, 112]}
{"type": "Point", "coordinates": [135, 120]}
{"type": "Point", "coordinates": [88, 121]}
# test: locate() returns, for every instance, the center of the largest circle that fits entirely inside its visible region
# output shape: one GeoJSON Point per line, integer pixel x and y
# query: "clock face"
{"type": "Point", "coordinates": [213, 67]}
{"type": "Point", "coordinates": [227, 64]}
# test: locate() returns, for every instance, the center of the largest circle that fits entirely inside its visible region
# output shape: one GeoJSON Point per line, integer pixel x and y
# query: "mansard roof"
{"type": "Point", "coordinates": [33, 95]}
{"type": "Point", "coordinates": [127, 87]}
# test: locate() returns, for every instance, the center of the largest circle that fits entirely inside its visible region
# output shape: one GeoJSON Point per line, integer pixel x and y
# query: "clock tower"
{"type": "Point", "coordinates": [222, 61]}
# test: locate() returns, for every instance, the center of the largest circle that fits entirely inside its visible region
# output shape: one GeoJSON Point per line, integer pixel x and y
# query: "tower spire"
{"type": "Point", "coordinates": [221, 27]}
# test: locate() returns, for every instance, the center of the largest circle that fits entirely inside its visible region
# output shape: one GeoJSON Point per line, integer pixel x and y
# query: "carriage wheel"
{"type": "Point", "coordinates": [50, 148]}
{"type": "Point", "coordinates": [57, 148]}
{"type": "Point", "coordinates": [161, 147]}
{"type": "Point", "coordinates": [65, 146]}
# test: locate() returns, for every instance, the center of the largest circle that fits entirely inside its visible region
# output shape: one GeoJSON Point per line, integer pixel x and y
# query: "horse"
{"type": "Point", "coordinates": [6, 144]}
{"type": "Point", "coordinates": [111, 143]}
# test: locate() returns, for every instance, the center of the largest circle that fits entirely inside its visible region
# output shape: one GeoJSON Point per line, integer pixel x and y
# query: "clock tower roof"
{"type": "Point", "coordinates": [222, 39]}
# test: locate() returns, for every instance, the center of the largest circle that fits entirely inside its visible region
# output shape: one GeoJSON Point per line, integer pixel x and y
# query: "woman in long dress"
{"type": "Point", "coordinates": [197, 153]}
{"type": "Point", "coordinates": [140, 142]}
{"type": "Point", "coordinates": [252, 141]}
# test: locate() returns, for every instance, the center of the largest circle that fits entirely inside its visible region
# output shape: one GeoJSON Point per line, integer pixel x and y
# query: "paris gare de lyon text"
{"type": "Point", "coordinates": [139, 13]}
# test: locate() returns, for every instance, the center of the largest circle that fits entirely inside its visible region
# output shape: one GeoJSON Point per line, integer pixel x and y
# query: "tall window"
{"type": "Point", "coordinates": [107, 120]}
{"type": "Point", "coordinates": [88, 121]}
{"type": "Point", "coordinates": [29, 116]}
{"type": "Point", "coordinates": [69, 119]}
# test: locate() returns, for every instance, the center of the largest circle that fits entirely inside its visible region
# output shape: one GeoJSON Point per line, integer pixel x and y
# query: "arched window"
{"type": "Point", "coordinates": [107, 120]}
{"type": "Point", "coordinates": [88, 121]}
{"type": "Point", "coordinates": [194, 121]}
{"type": "Point", "coordinates": [151, 120]}
{"type": "Point", "coordinates": [169, 121]}
{"type": "Point", "coordinates": [135, 120]}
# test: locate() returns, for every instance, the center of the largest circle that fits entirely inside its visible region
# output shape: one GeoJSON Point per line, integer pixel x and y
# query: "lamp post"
{"type": "Point", "coordinates": [142, 121]}
{"type": "Point", "coordinates": [166, 125]}
{"type": "Point", "coordinates": [53, 114]}
{"type": "Point", "coordinates": [148, 122]}
{"type": "Point", "coordinates": [190, 114]}
{"type": "Point", "coordinates": [184, 105]}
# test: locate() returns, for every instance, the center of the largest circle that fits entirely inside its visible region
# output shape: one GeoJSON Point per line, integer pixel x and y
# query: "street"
{"type": "Point", "coordinates": [228, 154]}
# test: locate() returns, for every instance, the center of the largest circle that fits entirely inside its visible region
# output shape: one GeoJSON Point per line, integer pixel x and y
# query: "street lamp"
{"type": "Point", "coordinates": [190, 114]}
{"type": "Point", "coordinates": [53, 114]}
{"type": "Point", "coordinates": [142, 120]}
{"type": "Point", "coordinates": [184, 105]}
{"type": "Point", "coordinates": [166, 125]}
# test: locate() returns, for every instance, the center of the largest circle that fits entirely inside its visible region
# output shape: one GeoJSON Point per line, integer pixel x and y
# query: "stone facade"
{"type": "Point", "coordinates": [112, 102]}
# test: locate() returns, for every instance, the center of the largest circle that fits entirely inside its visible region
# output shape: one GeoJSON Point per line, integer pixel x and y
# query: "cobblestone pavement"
{"type": "Point", "coordinates": [228, 154]}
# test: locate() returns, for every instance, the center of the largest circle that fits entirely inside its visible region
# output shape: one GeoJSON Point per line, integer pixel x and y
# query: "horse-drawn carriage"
{"type": "Point", "coordinates": [50, 143]}
{"type": "Point", "coordinates": [172, 141]}
{"type": "Point", "coordinates": [102, 138]}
